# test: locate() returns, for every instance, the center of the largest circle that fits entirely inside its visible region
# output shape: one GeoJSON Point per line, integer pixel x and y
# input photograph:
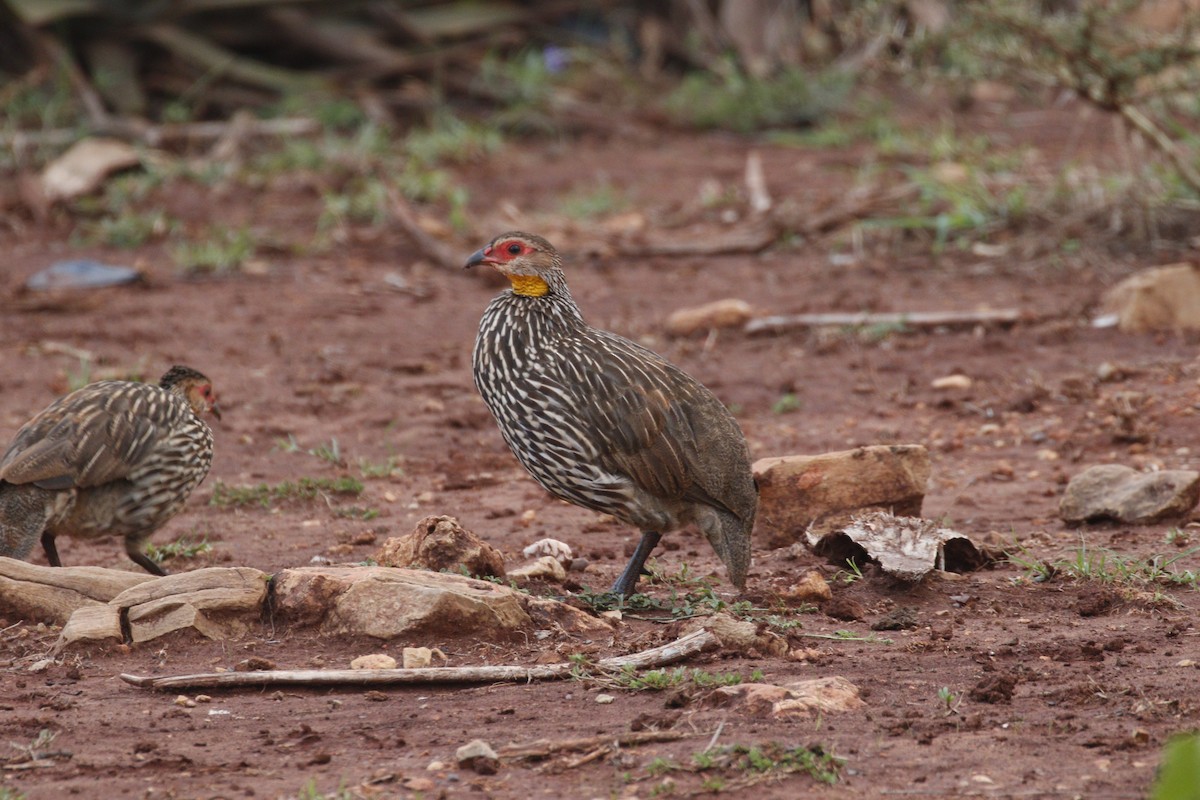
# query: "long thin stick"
{"type": "Point", "coordinates": [683, 647]}
{"type": "Point", "coordinates": [916, 319]}
{"type": "Point", "coordinates": [543, 748]}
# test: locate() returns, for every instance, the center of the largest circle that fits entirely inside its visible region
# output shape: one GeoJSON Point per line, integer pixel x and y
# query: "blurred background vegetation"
{"type": "Point", "coordinates": [394, 94]}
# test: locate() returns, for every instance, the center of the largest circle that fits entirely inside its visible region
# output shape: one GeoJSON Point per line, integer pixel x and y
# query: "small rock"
{"type": "Point", "coordinates": [419, 657]}
{"type": "Point", "coordinates": [203, 698]}
{"type": "Point", "coordinates": [442, 545]}
{"type": "Point", "coordinates": [546, 567]}
{"type": "Point", "coordinates": [728, 313]}
{"type": "Point", "coordinates": [184, 701]}
{"type": "Point", "coordinates": [800, 699]}
{"type": "Point", "coordinates": [254, 664]}
{"type": "Point", "coordinates": [1126, 495]}
{"type": "Point", "coordinates": [478, 755]}
{"type": "Point", "coordinates": [950, 172]}
{"type": "Point", "coordinates": [1162, 298]}
{"type": "Point", "coordinates": [560, 551]}
{"type": "Point", "coordinates": [435, 766]}
{"type": "Point", "coordinates": [605, 699]}
{"type": "Point", "coordinates": [798, 494]}
{"type": "Point", "coordinates": [374, 661]}
{"type": "Point", "coordinates": [951, 382]}
{"type": "Point", "coordinates": [41, 665]}
{"type": "Point", "coordinates": [811, 588]}
{"type": "Point", "coordinates": [419, 785]}
{"type": "Point", "coordinates": [81, 274]}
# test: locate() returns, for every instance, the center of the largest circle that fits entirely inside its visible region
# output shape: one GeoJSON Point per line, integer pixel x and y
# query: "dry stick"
{"type": "Point", "coordinates": [543, 748]}
{"type": "Point", "coordinates": [918, 319]}
{"type": "Point", "coordinates": [683, 647]}
{"type": "Point", "coordinates": [761, 233]}
{"type": "Point", "coordinates": [407, 218]}
{"type": "Point", "coordinates": [156, 135]}
{"type": "Point", "coordinates": [1163, 142]}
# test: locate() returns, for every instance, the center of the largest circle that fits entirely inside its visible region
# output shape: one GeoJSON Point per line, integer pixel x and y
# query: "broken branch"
{"type": "Point", "coordinates": [677, 650]}
{"type": "Point", "coordinates": [915, 319]}
{"type": "Point", "coordinates": [544, 748]}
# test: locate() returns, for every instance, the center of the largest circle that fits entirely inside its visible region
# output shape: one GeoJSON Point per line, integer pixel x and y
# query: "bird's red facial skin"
{"type": "Point", "coordinates": [506, 250]}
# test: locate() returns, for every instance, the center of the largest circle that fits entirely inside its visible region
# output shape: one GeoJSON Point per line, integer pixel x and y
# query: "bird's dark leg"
{"type": "Point", "coordinates": [133, 546]}
{"type": "Point", "coordinates": [627, 583]}
{"type": "Point", "coordinates": [50, 548]}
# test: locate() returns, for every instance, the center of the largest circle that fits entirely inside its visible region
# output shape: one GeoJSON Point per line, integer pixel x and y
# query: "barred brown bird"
{"type": "Point", "coordinates": [605, 423]}
{"type": "Point", "coordinates": [115, 458]}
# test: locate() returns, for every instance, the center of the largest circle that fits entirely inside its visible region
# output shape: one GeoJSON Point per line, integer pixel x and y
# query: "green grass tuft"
{"type": "Point", "coordinates": [266, 495]}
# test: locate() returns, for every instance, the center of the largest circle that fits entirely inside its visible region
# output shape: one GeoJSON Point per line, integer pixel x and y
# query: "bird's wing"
{"type": "Point", "coordinates": [98, 434]}
{"type": "Point", "coordinates": [638, 402]}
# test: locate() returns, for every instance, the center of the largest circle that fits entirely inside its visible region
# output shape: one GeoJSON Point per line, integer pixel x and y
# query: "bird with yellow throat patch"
{"type": "Point", "coordinates": [603, 422]}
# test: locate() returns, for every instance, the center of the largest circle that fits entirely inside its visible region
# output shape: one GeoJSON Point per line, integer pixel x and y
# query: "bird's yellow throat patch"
{"type": "Point", "coordinates": [529, 285]}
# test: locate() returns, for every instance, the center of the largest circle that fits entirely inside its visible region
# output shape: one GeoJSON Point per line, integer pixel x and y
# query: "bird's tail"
{"type": "Point", "coordinates": [23, 516]}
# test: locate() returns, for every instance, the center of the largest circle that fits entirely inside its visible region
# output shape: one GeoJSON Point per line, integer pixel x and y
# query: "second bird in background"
{"type": "Point", "coordinates": [603, 422]}
{"type": "Point", "coordinates": [115, 458]}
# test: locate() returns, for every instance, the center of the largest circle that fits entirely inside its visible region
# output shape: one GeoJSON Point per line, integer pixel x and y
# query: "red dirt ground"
{"type": "Point", "coordinates": [323, 346]}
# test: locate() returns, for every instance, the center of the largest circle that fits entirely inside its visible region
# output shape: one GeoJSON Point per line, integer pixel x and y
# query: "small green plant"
{"type": "Point", "coordinates": [786, 404]}
{"type": "Point", "coordinates": [77, 379]}
{"type": "Point", "coordinates": [331, 452]}
{"type": "Point", "coordinates": [363, 201]}
{"type": "Point", "coordinates": [657, 680]}
{"type": "Point", "coordinates": [1106, 566]}
{"type": "Point", "coordinates": [309, 791]}
{"type": "Point", "coordinates": [848, 636]}
{"type": "Point", "coordinates": [949, 699]}
{"type": "Point", "coordinates": [357, 512]}
{"type": "Point", "coordinates": [661, 766]}
{"type": "Point", "coordinates": [739, 766]}
{"type": "Point", "coordinates": [851, 574]}
{"type": "Point", "coordinates": [130, 229]}
{"type": "Point", "coordinates": [183, 547]}
{"type": "Point", "coordinates": [1038, 571]}
{"type": "Point", "coordinates": [598, 202]}
{"type": "Point", "coordinates": [221, 250]}
{"type": "Point", "coordinates": [8, 793]}
{"type": "Point", "coordinates": [451, 140]}
{"type": "Point", "coordinates": [1177, 537]}
{"type": "Point", "coordinates": [265, 495]}
{"type": "Point", "coordinates": [737, 102]}
{"type": "Point", "coordinates": [387, 468]}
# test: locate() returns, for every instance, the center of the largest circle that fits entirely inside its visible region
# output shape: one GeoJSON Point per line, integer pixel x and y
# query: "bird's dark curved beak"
{"type": "Point", "coordinates": [480, 256]}
{"type": "Point", "coordinates": [215, 410]}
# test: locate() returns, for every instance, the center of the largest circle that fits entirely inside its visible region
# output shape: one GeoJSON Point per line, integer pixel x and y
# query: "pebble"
{"type": "Point", "coordinates": [479, 756]}
{"type": "Point", "coordinates": [951, 382]}
{"type": "Point", "coordinates": [374, 661]}
{"type": "Point", "coordinates": [604, 699]}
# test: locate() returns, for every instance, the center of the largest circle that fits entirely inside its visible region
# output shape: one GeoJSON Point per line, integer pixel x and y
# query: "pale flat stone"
{"type": "Point", "coordinates": [385, 602]}
{"type": "Point", "coordinates": [1114, 491]}
{"type": "Point", "coordinates": [820, 493]}
{"type": "Point", "coordinates": [727, 313]}
{"type": "Point", "coordinates": [1161, 298]}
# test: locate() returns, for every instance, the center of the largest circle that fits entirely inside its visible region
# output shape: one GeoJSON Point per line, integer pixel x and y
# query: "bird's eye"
{"type": "Point", "coordinates": [514, 249]}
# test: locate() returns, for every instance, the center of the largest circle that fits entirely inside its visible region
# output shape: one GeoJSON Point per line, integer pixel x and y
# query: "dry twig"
{"type": "Point", "coordinates": [915, 319]}
{"type": "Point", "coordinates": [683, 647]}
